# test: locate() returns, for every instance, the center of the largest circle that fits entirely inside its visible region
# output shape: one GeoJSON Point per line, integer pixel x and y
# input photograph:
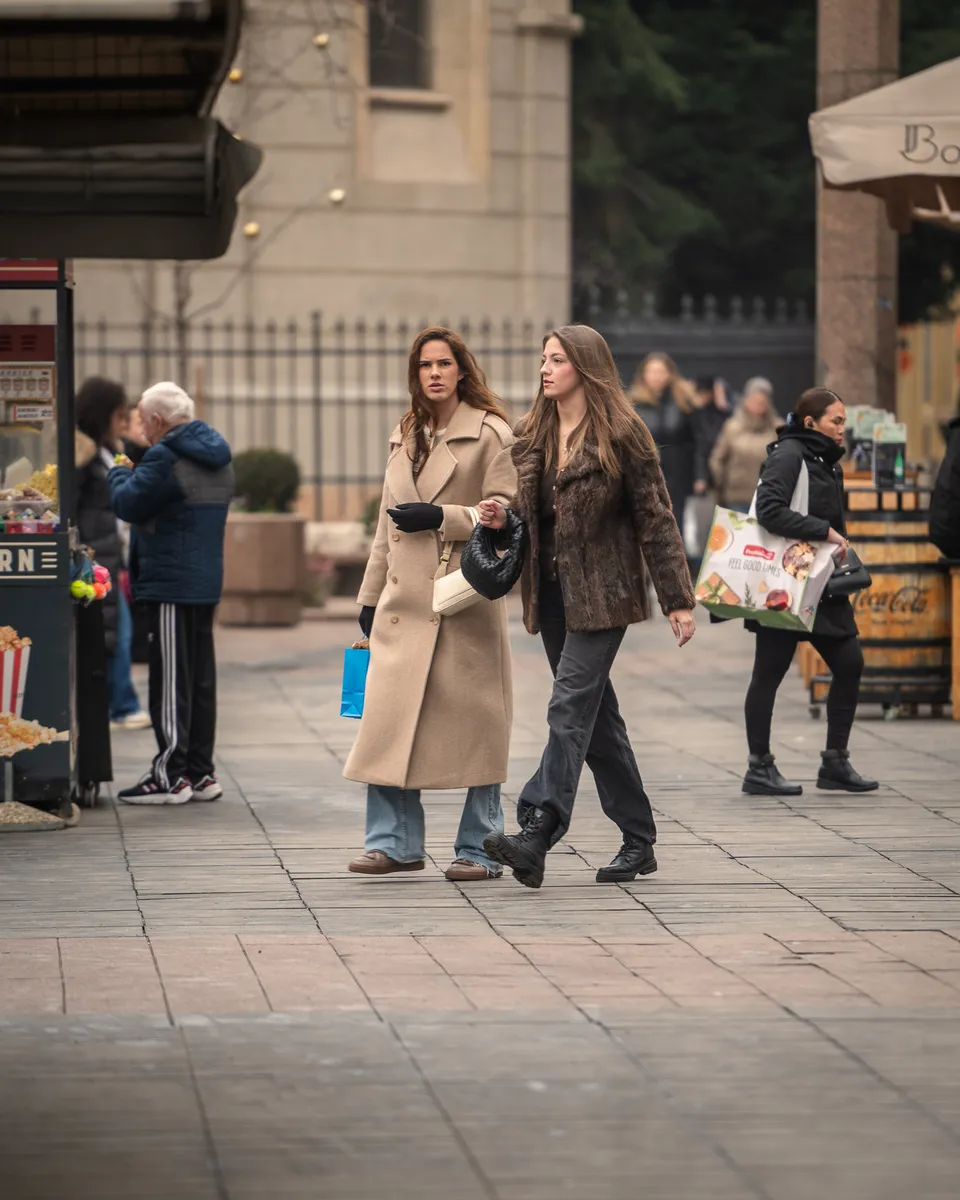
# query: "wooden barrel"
{"type": "Point", "coordinates": [904, 617]}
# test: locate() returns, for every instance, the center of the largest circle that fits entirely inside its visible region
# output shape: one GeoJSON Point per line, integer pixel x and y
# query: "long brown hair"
{"type": "Point", "coordinates": [683, 394]}
{"type": "Point", "coordinates": [610, 424]}
{"type": "Point", "coordinates": [472, 389]}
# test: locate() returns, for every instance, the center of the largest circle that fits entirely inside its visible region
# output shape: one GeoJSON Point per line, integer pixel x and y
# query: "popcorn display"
{"type": "Point", "coordinates": [749, 572]}
{"type": "Point", "coordinates": [17, 734]}
{"type": "Point", "coordinates": [45, 482]}
{"type": "Point", "coordinates": [14, 661]}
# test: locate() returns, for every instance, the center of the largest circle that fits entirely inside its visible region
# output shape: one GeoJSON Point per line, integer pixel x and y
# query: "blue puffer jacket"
{"type": "Point", "coordinates": [177, 501]}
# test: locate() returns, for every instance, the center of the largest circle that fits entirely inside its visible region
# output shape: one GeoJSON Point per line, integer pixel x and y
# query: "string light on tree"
{"type": "Point", "coordinates": [336, 195]}
{"type": "Point", "coordinates": [321, 40]}
{"type": "Point", "coordinates": [251, 229]}
{"type": "Point", "coordinates": [236, 75]}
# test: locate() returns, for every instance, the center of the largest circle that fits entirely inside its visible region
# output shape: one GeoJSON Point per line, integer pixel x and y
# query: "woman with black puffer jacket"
{"type": "Point", "coordinates": [814, 435]}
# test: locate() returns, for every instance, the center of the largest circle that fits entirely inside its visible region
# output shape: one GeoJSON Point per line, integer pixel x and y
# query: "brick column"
{"type": "Point", "coordinates": [858, 49]}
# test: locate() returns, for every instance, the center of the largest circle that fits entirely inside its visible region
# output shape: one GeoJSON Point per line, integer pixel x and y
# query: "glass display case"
{"type": "Point", "coordinates": [29, 501]}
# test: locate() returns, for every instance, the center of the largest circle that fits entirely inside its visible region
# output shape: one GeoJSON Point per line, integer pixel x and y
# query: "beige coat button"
{"type": "Point", "coordinates": [393, 579]}
{"type": "Point", "coordinates": [396, 537]}
{"type": "Point", "coordinates": [394, 620]}
{"type": "Point", "coordinates": [434, 620]}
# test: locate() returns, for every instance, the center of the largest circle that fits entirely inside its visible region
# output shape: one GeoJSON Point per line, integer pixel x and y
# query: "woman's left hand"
{"type": "Point", "coordinates": [683, 625]}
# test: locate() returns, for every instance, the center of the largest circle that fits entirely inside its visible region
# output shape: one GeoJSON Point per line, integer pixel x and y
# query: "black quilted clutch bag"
{"type": "Point", "coordinates": [492, 559]}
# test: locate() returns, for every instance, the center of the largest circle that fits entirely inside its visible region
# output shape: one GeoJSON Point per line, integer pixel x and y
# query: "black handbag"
{"type": "Point", "coordinates": [492, 559]}
{"type": "Point", "coordinates": [849, 577]}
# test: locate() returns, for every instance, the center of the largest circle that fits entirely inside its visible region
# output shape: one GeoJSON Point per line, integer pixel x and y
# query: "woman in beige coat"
{"type": "Point", "coordinates": [741, 446]}
{"type": "Point", "coordinates": [438, 704]}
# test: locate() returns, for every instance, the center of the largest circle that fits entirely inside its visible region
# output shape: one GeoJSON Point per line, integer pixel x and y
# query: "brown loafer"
{"type": "Point", "coordinates": [376, 862]}
{"type": "Point", "coordinates": [463, 870]}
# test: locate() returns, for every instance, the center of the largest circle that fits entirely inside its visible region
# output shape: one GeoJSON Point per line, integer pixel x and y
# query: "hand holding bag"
{"type": "Point", "coordinates": [850, 577]}
{"type": "Point", "coordinates": [492, 560]}
{"type": "Point", "coordinates": [356, 662]}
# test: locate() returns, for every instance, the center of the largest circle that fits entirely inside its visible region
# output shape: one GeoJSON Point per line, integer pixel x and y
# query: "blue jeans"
{"type": "Point", "coordinates": [123, 695]}
{"type": "Point", "coordinates": [395, 823]}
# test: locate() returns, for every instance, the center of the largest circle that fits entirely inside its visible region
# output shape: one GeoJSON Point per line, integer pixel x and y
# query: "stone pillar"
{"type": "Point", "coordinates": [858, 49]}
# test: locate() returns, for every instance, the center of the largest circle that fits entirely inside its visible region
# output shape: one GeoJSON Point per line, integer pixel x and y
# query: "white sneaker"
{"type": "Point", "coordinates": [134, 720]}
{"type": "Point", "coordinates": [207, 788]}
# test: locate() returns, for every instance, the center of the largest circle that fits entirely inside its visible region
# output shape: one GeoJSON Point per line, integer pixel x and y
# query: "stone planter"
{"type": "Point", "coordinates": [263, 569]}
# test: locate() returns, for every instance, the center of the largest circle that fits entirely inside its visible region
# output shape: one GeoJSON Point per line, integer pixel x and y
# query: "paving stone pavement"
{"type": "Point", "coordinates": [201, 1002]}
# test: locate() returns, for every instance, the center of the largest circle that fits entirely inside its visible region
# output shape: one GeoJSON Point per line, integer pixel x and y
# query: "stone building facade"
{"type": "Point", "coordinates": [417, 165]}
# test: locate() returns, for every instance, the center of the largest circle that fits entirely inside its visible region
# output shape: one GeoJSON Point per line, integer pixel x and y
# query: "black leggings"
{"type": "Point", "coordinates": [774, 654]}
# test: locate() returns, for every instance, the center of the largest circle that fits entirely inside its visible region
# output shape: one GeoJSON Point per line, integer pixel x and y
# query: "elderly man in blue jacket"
{"type": "Point", "coordinates": [176, 500]}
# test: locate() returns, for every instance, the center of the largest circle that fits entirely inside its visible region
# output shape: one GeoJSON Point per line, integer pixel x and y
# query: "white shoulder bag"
{"type": "Point", "coordinates": [451, 592]}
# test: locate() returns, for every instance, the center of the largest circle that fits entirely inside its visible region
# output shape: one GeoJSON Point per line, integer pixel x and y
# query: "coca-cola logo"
{"type": "Point", "coordinates": [910, 599]}
{"type": "Point", "coordinates": [758, 552]}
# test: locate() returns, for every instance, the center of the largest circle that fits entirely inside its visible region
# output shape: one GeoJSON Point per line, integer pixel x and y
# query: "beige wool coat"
{"type": "Point", "coordinates": [738, 454]}
{"type": "Point", "coordinates": [439, 696]}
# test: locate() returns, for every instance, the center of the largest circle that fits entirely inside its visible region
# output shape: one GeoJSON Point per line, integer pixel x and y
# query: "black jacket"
{"type": "Point", "coordinates": [97, 523]}
{"type": "Point", "coordinates": [945, 501]}
{"type": "Point", "coordinates": [681, 440]}
{"type": "Point", "coordinates": [778, 478]}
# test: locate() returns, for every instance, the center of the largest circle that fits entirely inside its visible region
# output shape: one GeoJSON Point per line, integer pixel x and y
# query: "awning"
{"type": "Point", "coordinates": [901, 143]}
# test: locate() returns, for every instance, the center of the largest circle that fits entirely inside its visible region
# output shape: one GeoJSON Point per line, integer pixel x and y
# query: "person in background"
{"type": "Point", "coordinates": [714, 407]}
{"type": "Point", "coordinates": [102, 411]}
{"type": "Point", "coordinates": [667, 404]}
{"type": "Point", "coordinates": [135, 446]}
{"type": "Point", "coordinates": [741, 447]}
{"type": "Point", "coordinates": [177, 501]}
{"type": "Point", "coordinates": [814, 434]}
{"type": "Point", "coordinates": [945, 500]}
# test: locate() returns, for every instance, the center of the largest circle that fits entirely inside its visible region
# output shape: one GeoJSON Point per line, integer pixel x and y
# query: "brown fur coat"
{"type": "Point", "coordinates": [608, 532]}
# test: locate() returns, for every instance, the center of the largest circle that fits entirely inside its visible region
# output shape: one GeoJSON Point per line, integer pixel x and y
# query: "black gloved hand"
{"type": "Point", "coordinates": [415, 518]}
{"type": "Point", "coordinates": [365, 620]}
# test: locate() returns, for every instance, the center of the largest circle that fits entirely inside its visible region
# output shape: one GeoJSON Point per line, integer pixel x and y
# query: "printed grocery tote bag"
{"type": "Point", "coordinates": [748, 572]}
{"type": "Point", "coordinates": [356, 662]}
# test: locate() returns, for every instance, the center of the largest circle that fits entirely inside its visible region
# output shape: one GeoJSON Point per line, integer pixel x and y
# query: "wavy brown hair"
{"type": "Point", "coordinates": [472, 389]}
{"type": "Point", "coordinates": [684, 395]}
{"type": "Point", "coordinates": [610, 425]}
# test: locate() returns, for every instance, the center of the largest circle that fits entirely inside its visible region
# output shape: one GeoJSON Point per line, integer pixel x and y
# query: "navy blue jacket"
{"type": "Point", "coordinates": [177, 501]}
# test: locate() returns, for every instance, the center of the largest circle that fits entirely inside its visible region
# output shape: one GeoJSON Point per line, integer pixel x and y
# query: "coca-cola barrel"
{"type": "Point", "coordinates": [904, 617]}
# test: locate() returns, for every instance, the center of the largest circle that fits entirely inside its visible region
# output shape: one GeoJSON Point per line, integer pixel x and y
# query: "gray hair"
{"type": "Point", "coordinates": [170, 402]}
{"type": "Point", "coordinates": [758, 384]}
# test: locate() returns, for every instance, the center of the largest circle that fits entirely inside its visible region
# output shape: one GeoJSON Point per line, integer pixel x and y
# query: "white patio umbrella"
{"type": "Point", "coordinates": [900, 142]}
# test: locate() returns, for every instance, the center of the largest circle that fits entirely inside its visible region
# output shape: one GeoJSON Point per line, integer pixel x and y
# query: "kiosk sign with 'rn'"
{"type": "Point", "coordinates": [19, 562]}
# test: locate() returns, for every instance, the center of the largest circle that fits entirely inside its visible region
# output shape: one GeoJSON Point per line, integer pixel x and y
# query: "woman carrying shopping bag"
{"type": "Point", "coordinates": [438, 703]}
{"type": "Point", "coordinates": [593, 497]}
{"type": "Point", "coordinates": [814, 435]}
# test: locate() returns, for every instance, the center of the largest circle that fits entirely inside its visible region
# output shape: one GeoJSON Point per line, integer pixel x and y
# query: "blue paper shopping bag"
{"type": "Point", "coordinates": [356, 661]}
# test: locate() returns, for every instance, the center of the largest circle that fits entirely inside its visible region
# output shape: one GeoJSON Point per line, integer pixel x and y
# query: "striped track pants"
{"type": "Point", "coordinates": [183, 690]}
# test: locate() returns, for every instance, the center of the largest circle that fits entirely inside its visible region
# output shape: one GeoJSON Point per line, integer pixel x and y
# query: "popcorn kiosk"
{"type": "Point", "coordinates": [36, 550]}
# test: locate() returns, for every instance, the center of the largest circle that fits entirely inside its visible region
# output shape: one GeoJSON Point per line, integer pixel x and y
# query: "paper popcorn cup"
{"type": "Point", "coordinates": [13, 679]}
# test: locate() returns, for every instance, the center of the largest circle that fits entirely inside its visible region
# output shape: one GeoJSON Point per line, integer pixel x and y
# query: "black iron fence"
{"type": "Point", "coordinates": [330, 392]}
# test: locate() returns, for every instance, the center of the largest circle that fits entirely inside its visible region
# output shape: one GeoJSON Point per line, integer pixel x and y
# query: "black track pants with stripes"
{"type": "Point", "coordinates": [183, 690]}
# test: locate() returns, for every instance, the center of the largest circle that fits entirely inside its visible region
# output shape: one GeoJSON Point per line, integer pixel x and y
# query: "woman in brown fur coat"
{"type": "Point", "coordinates": [593, 496]}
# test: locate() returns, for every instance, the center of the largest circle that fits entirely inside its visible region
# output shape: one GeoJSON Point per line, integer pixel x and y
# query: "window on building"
{"type": "Point", "coordinates": [398, 44]}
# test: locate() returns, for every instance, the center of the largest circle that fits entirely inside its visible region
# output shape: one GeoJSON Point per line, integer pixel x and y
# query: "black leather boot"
{"type": "Point", "coordinates": [525, 853]}
{"type": "Point", "coordinates": [633, 858]}
{"type": "Point", "coordinates": [763, 778]}
{"type": "Point", "coordinates": [836, 774]}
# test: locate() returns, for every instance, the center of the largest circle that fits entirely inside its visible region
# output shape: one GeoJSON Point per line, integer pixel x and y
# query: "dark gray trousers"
{"type": "Point", "coordinates": [585, 726]}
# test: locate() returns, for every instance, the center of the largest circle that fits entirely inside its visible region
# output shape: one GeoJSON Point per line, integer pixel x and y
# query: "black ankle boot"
{"type": "Point", "coordinates": [763, 778]}
{"type": "Point", "coordinates": [836, 774]}
{"type": "Point", "coordinates": [633, 858]}
{"type": "Point", "coordinates": [524, 852]}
